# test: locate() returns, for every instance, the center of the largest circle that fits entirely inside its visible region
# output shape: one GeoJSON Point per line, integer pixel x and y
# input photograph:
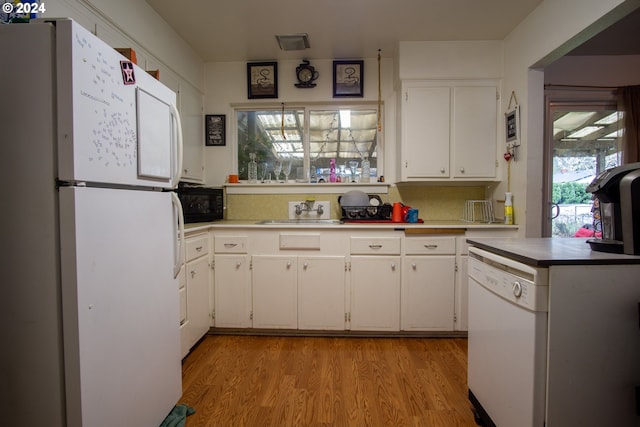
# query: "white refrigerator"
{"type": "Point", "coordinates": [92, 236]}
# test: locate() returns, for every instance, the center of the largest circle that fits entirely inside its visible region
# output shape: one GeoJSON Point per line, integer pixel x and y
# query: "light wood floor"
{"type": "Point", "coordinates": [234, 381]}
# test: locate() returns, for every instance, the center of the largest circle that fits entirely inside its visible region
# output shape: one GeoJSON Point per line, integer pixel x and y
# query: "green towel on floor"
{"type": "Point", "coordinates": [178, 416]}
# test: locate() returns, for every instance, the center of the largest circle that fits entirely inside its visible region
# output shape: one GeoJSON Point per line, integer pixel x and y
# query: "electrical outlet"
{"type": "Point", "coordinates": [313, 214]}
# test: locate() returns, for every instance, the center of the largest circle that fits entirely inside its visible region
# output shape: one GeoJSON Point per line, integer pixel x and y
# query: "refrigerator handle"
{"type": "Point", "coordinates": [178, 234]}
{"type": "Point", "coordinates": [175, 115]}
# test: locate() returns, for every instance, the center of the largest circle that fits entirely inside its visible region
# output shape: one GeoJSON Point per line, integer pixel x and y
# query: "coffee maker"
{"type": "Point", "coordinates": [618, 191]}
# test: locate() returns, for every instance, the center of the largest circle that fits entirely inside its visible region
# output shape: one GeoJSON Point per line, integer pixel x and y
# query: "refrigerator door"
{"type": "Point", "coordinates": [120, 306]}
{"type": "Point", "coordinates": [116, 123]}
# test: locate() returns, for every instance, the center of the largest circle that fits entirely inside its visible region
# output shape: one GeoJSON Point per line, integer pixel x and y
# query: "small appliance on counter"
{"type": "Point", "coordinates": [618, 191]}
{"type": "Point", "coordinates": [201, 204]}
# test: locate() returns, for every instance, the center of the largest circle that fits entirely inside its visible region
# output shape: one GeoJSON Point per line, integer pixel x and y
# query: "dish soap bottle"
{"type": "Point", "coordinates": [508, 208]}
{"type": "Point", "coordinates": [366, 169]}
{"type": "Point", "coordinates": [253, 168]}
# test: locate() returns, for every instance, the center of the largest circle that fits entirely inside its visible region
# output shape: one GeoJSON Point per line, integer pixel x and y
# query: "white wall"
{"type": "Point", "coordinates": [609, 71]}
{"type": "Point", "coordinates": [450, 60]}
{"type": "Point", "coordinates": [133, 23]}
{"type": "Point", "coordinates": [548, 33]}
{"type": "Point", "coordinates": [226, 87]}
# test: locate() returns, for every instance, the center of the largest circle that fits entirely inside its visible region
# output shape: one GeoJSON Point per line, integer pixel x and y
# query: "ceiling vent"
{"type": "Point", "coordinates": [293, 41]}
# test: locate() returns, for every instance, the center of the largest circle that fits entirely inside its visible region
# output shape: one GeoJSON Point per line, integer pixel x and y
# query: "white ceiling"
{"type": "Point", "coordinates": [244, 30]}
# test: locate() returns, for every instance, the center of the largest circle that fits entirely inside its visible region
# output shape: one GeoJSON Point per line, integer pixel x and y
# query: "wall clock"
{"type": "Point", "coordinates": [306, 74]}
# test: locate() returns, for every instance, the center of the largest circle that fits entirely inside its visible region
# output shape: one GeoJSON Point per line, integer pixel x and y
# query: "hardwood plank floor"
{"type": "Point", "coordinates": [234, 381]}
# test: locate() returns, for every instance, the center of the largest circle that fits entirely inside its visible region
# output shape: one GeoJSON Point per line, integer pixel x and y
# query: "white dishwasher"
{"type": "Point", "coordinates": [507, 344]}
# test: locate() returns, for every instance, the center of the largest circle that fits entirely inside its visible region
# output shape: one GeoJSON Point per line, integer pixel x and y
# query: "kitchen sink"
{"type": "Point", "coordinates": [303, 221]}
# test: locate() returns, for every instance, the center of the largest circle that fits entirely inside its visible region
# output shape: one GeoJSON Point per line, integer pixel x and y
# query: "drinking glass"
{"type": "Point", "coordinates": [277, 168]}
{"type": "Point", "coordinates": [286, 170]}
{"type": "Point", "coordinates": [353, 165]}
{"type": "Point", "coordinates": [262, 171]}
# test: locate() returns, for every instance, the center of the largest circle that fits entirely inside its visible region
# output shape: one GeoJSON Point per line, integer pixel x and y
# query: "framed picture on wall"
{"type": "Point", "coordinates": [214, 130]}
{"type": "Point", "coordinates": [348, 79]}
{"type": "Point", "coordinates": [262, 80]}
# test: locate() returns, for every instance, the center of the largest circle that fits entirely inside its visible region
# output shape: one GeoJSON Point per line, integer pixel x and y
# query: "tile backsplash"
{"type": "Point", "coordinates": [434, 203]}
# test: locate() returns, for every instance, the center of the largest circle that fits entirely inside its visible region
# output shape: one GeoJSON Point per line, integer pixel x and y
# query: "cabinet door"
{"type": "Point", "coordinates": [321, 292]}
{"type": "Point", "coordinates": [192, 133]}
{"type": "Point", "coordinates": [428, 293]}
{"type": "Point", "coordinates": [462, 295]}
{"type": "Point", "coordinates": [182, 292]}
{"type": "Point", "coordinates": [474, 123]}
{"type": "Point", "coordinates": [375, 293]}
{"type": "Point", "coordinates": [198, 279]}
{"type": "Point", "coordinates": [232, 290]}
{"type": "Point", "coordinates": [275, 291]}
{"type": "Point", "coordinates": [425, 133]}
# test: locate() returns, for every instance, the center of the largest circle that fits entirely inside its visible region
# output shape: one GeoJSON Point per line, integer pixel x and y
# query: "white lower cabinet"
{"type": "Point", "coordinates": [375, 283]}
{"type": "Point", "coordinates": [427, 290]}
{"type": "Point", "coordinates": [321, 292]}
{"type": "Point", "coordinates": [195, 294]}
{"type": "Point", "coordinates": [462, 295]}
{"type": "Point", "coordinates": [182, 292]}
{"type": "Point", "coordinates": [375, 293]}
{"type": "Point", "coordinates": [360, 280]}
{"type": "Point", "coordinates": [232, 282]}
{"type": "Point", "coordinates": [275, 291]}
{"type": "Point", "coordinates": [232, 290]}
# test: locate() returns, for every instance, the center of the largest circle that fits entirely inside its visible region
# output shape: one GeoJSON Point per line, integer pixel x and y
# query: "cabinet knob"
{"type": "Point", "coordinates": [442, 170]}
{"type": "Point", "coordinates": [461, 170]}
{"type": "Point", "coordinates": [238, 264]}
{"type": "Point", "coordinates": [199, 248]}
{"type": "Point", "coordinates": [413, 265]}
{"type": "Point", "coordinates": [393, 266]}
{"type": "Point", "coordinates": [305, 265]}
{"type": "Point", "coordinates": [288, 264]}
{"type": "Point", "coordinates": [193, 274]}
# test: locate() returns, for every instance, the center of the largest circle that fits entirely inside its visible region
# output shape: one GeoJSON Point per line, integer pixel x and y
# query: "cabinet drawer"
{"type": "Point", "coordinates": [197, 247]}
{"type": "Point", "coordinates": [375, 245]}
{"type": "Point", "coordinates": [430, 245]}
{"type": "Point", "coordinates": [231, 244]}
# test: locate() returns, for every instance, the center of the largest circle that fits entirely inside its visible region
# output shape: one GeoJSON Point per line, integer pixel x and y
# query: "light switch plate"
{"type": "Point", "coordinates": [326, 210]}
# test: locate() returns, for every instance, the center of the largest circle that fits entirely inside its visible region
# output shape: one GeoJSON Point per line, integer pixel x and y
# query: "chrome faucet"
{"type": "Point", "coordinates": [307, 206]}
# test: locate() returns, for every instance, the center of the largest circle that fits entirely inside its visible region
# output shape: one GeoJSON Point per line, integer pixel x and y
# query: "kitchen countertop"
{"type": "Point", "coordinates": [426, 227]}
{"type": "Point", "coordinates": [545, 252]}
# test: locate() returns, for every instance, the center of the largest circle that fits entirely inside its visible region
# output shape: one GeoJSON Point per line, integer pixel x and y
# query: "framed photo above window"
{"type": "Point", "coordinates": [262, 80]}
{"type": "Point", "coordinates": [348, 79]}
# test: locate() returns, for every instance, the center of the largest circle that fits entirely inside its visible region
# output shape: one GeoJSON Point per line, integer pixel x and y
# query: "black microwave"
{"type": "Point", "coordinates": [201, 204]}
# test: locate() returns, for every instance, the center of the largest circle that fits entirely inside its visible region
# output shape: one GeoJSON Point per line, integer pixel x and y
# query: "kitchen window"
{"type": "Point", "coordinates": [309, 138]}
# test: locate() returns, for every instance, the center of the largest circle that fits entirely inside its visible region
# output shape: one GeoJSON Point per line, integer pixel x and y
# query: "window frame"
{"type": "Point", "coordinates": [307, 108]}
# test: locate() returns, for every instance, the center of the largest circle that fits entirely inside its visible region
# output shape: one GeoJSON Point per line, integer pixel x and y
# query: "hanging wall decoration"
{"type": "Point", "coordinates": [214, 130]}
{"type": "Point", "coordinates": [262, 80]}
{"type": "Point", "coordinates": [348, 79]}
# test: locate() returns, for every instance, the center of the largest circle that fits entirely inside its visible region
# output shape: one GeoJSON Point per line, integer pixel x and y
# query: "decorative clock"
{"type": "Point", "coordinates": [306, 74]}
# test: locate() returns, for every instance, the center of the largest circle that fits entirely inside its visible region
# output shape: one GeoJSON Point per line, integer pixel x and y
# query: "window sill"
{"type": "Point", "coordinates": [295, 188]}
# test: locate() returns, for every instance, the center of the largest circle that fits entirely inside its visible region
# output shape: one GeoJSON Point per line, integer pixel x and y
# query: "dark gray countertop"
{"type": "Point", "coordinates": [544, 252]}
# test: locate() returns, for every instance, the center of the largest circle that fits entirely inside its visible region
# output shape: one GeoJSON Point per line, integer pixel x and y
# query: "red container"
{"type": "Point", "coordinates": [396, 214]}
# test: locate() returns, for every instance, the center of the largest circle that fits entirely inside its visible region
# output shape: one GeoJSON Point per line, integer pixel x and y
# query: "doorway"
{"type": "Point", "coordinates": [582, 139]}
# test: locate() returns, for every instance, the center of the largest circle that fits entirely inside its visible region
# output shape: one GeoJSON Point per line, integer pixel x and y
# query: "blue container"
{"type": "Point", "coordinates": [412, 215]}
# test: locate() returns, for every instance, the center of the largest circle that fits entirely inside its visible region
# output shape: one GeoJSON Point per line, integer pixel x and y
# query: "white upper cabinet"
{"type": "Point", "coordinates": [191, 106]}
{"type": "Point", "coordinates": [448, 130]}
